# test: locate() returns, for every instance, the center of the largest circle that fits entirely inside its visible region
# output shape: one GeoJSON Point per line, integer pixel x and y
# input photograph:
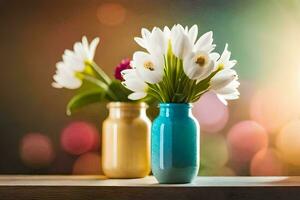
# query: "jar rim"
{"type": "Point", "coordinates": [167, 105]}
{"type": "Point", "coordinates": [129, 105]}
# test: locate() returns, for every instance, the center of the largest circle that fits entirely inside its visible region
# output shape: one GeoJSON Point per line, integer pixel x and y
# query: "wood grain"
{"type": "Point", "coordinates": [98, 187]}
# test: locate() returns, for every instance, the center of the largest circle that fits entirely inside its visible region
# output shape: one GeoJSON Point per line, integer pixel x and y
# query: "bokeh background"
{"type": "Point", "coordinates": [259, 134]}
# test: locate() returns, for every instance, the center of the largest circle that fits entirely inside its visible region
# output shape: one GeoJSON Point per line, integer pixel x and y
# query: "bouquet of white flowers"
{"type": "Point", "coordinates": [78, 68]}
{"type": "Point", "coordinates": [179, 68]}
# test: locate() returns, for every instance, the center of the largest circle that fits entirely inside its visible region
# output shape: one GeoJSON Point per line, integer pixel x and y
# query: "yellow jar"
{"type": "Point", "coordinates": [126, 141]}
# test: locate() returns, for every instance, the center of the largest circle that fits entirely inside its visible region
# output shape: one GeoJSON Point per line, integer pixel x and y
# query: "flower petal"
{"type": "Point", "coordinates": [85, 44]}
{"type": "Point", "coordinates": [67, 81]}
{"type": "Point", "coordinates": [207, 71]}
{"type": "Point", "coordinates": [204, 42]}
{"type": "Point", "coordinates": [93, 47]}
{"type": "Point", "coordinates": [193, 70]}
{"type": "Point", "coordinates": [140, 42]}
{"type": "Point", "coordinates": [181, 45]}
{"type": "Point", "coordinates": [157, 44]}
{"type": "Point", "coordinates": [225, 59]}
{"type": "Point", "coordinates": [56, 85]}
{"type": "Point", "coordinates": [167, 32]}
{"type": "Point", "coordinates": [137, 95]}
{"type": "Point", "coordinates": [140, 59]}
{"type": "Point", "coordinates": [135, 85]}
{"type": "Point", "coordinates": [222, 78]}
{"type": "Point", "coordinates": [145, 32]}
{"type": "Point", "coordinates": [193, 33]}
{"type": "Point", "coordinates": [227, 90]}
{"type": "Point", "coordinates": [222, 99]}
{"type": "Point", "coordinates": [214, 56]}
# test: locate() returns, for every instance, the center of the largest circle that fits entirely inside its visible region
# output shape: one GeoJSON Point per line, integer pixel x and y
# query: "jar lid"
{"type": "Point", "coordinates": [127, 105]}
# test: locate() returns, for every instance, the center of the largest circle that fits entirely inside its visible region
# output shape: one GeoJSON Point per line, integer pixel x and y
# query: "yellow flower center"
{"type": "Point", "coordinates": [88, 70]}
{"type": "Point", "coordinates": [201, 60]}
{"type": "Point", "coordinates": [149, 65]}
{"type": "Point", "coordinates": [79, 75]}
{"type": "Point", "coordinates": [221, 66]}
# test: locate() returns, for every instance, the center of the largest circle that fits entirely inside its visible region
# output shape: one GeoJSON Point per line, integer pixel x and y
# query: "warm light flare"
{"type": "Point", "coordinates": [267, 162]}
{"type": "Point", "coordinates": [288, 142]}
{"type": "Point", "coordinates": [36, 150]}
{"type": "Point", "coordinates": [79, 137]}
{"type": "Point", "coordinates": [88, 164]}
{"type": "Point", "coordinates": [245, 139]}
{"type": "Point", "coordinates": [213, 151]}
{"type": "Point", "coordinates": [211, 113]}
{"type": "Point", "coordinates": [111, 14]}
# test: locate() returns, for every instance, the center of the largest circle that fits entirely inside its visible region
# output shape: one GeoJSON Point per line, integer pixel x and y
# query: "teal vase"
{"type": "Point", "coordinates": [175, 144]}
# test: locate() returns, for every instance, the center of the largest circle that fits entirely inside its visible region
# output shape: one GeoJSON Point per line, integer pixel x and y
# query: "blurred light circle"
{"type": "Point", "coordinates": [211, 113]}
{"type": "Point", "coordinates": [63, 163]}
{"type": "Point", "coordinates": [271, 108]}
{"type": "Point", "coordinates": [111, 14]}
{"type": "Point", "coordinates": [245, 139]}
{"type": "Point", "coordinates": [266, 162]}
{"type": "Point", "coordinates": [79, 137]}
{"type": "Point", "coordinates": [223, 171]}
{"type": "Point", "coordinates": [36, 150]}
{"type": "Point", "coordinates": [288, 142]}
{"type": "Point", "coordinates": [88, 164]}
{"type": "Point", "coordinates": [213, 150]}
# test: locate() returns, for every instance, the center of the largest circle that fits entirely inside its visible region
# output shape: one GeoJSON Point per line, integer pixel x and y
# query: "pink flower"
{"type": "Point", "coordinates": [125, 64]}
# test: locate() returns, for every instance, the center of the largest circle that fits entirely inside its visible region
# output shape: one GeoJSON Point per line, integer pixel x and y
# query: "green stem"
{"type": "Point", "coordinates": [100, 72]}
{"type": "Point", "coordinates": [161, 92]}
{"type": "Point", "coordinates": [179, 77]}
{"type": "Point", "coordinates": [166, 82]}
{"type": "Point", "coordinates": [191, 90]}
{"type": "Point", "coordinates": [197, 96]}
{"type": "Point", "coordinates": [100, 84]}
{"type": "Point", "coordinates": [155, 92]}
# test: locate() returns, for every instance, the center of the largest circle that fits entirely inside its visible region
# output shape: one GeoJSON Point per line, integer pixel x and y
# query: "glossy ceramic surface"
{"type": "Point", "coordinates": [126, 141]}
{"type": "Point", "coordinates": [175, 144]}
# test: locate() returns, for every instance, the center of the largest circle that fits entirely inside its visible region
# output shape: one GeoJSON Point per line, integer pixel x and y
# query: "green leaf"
{"type": "Point", "coordinates": [150, 100]}
{"type": "Point", "coordinates": [119, 91]}
{"type": "Point", "coordinates": [85, 98]}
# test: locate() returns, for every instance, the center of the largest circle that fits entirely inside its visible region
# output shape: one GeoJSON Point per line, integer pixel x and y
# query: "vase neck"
{"type": "Point", "coordinates": [126, 110]}
{"type": "Point", "coordinates": [175, 109]}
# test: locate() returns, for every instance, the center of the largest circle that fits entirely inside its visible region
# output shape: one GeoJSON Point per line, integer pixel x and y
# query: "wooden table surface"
{"type": "Point", "coordinates": [98, 187]}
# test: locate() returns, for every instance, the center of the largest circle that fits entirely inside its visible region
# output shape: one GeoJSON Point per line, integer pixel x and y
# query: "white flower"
{"type": "Point", "coordinates": [192, 33]}
{"type": "Point", "coordinates": [196, 58]}
{"type": "Point", "coordinates": [199, 65]}
{"type": "Point", "coordinates": [225, 84]}
{"type": "Point", "coordinates": [167, 33]}
{"type": "Point", "coordinates": [134, 83]}
{"type": "Point", "coordinates": [82, 53]}
{"type": "Point", "coordinates": [74, 62]}
{"type": "Point", "coordinates": [150, 68]}
{"type": "Point", "coordinates": [143, 41]}
{"type": "Point", "coordinates": [65, 77]}
{"type": "Point", "coordinates": [224, 61]}
{"type": "Point", "coordinates": [229, 92]}
{"type": "Point", "coordinates": [222, 78]}
{"type": "Point", "coordinates": [180, 41]}
{"type": "Point", "coordinates": [205, 43]}
{"type": "Point", "coordinates": [155, 42]}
